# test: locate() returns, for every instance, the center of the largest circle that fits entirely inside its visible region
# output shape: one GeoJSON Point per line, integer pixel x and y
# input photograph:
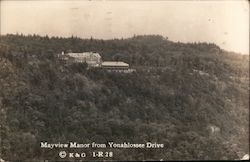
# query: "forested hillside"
{"type": "Point", "coordinates": [193, 98]}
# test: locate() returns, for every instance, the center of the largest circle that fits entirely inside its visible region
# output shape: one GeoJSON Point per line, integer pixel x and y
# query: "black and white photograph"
{"type": "Point", "coordinates": [124, 80]}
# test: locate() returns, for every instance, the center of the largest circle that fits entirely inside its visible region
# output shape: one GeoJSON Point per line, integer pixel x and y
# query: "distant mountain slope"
{"type": "Point", "coordinates": [193, 98]}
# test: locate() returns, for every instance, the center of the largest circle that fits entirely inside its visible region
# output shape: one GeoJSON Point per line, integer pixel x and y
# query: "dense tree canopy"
{"type": "Point", "coordinates": [177, 94]}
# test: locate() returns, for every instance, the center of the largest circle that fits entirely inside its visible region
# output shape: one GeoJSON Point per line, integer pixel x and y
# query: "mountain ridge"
{"type": "Point", "coordinates": [194, 98]}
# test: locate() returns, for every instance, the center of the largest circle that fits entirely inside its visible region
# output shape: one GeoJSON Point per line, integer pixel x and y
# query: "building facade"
{"type": "Point", "coordinates": [115, 65]}
{"type": "Point", "coordinates": [93, 59]}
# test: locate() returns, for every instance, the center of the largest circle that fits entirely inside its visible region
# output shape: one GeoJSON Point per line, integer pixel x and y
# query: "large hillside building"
{"type": "Point", "coordinates": [93, 59]}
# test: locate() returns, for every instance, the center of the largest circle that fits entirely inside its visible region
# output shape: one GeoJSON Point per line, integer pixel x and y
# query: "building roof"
{"type": "Point", "coordinates": [84, 54]}
{"type": "Point", "coordinates": [114, 63]}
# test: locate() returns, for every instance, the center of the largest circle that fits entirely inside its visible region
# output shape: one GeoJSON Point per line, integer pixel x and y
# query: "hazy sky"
{"type": "Point", "coordinates": [225, 23]}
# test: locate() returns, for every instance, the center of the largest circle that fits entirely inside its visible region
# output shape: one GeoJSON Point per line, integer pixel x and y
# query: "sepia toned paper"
{"type": "Point", "coordinates": [123, 80]}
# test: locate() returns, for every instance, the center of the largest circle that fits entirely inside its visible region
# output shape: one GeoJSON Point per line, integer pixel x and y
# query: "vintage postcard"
{"type": "Point", "coordinates": [124, 80]}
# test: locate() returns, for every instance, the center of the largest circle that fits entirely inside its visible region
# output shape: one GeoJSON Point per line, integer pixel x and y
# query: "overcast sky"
{"type": "Point", "coordinates": [225, 23]}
